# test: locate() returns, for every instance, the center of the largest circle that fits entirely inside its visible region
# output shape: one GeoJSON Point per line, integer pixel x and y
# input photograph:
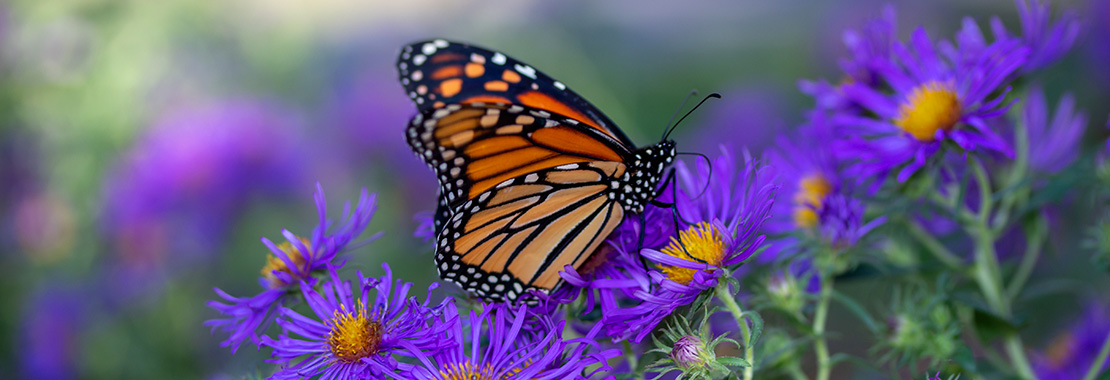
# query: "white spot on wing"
{"type": "Point", "coordinates": [498, 58]}
{"type": "Point", "coordinates": [440, 43]}
{"type": "Point", "coordinates": [418, 60]}
{"type": "Point", "coordinates": [526, 70]}
{"type": "Point", "coordinates": [560, 85]}
{"type": "Point", "coordinates": [428, 49]}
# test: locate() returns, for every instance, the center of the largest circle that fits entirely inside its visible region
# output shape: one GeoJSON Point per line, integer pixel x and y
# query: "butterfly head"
{"type": "Point", "coordinates": [639, 185]}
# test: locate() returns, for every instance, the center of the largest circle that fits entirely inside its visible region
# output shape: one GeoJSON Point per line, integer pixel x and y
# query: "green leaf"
{"type": "Point", "coordinates": [734, 362]}
{"type": "Point", "coordinates": [757, 327]}
{"type": "Point", "coordinates": [965, 359]}
{"type": "Point", "coordinates": [857, 309]}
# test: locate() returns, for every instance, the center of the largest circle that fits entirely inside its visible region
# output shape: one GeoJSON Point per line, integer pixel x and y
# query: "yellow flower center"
{"type": "Point", "coordinates": [467, 371]}
{"type": "Point", "coordinates": [812, 190]}
{"type": "Point", "coordinates": [931, 107]}
{"type": "Point", "coordinates": [701, 243]}
{"type": "Point", "coordinates": [276, 264]}
{"type": "Point", "coordinates": [354, 336]}
{"type": "Point", "coordinates": [1059, 351]}
{"type": "Point", "coordinates": [463, 371]}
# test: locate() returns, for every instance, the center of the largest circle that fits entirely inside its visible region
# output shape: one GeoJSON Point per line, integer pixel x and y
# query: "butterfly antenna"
{"type": "Point", "coordinates": [675, 114]}
{"type": "Point", "coordinates": [713, 95]}
{"type": "Point", "coordinates": [707, 178]}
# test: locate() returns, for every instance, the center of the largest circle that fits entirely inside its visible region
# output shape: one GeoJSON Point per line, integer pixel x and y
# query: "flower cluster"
{"type": "Point", "coordinates": [938, 141]}
{"type": "Point", "coordinates": [291, 263]}
{"type": "Point", "coordinates": [373, 328]}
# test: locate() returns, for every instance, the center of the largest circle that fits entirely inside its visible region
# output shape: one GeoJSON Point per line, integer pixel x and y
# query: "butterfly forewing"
{"type": "Point", "coordinates": [438, 73]}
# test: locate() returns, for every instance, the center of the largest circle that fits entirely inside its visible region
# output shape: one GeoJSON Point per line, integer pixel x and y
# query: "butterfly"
{"type": "Point", "coordinates": [532, 177]}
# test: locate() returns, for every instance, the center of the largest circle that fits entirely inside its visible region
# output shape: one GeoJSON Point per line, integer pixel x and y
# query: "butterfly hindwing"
{"type": "Point", "coordinates": [520, 234]}
{"type": "Point", "coordinates": [437, 73]}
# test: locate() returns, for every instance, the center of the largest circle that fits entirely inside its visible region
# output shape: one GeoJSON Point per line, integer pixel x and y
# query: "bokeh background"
{"type": "Point", "coordinates": [145, 146]}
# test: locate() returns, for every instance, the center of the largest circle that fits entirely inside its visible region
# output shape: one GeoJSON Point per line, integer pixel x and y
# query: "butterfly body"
{"type": "Point", "coordinates": [532, 177]}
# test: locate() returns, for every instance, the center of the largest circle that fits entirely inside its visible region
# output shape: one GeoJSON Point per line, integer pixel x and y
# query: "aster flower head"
{"type": "Point", "coordinates": [353, 336]}
{"type": "Point", "coordinates": [867, 47]}
{"type": "Point", "coordinates": [808, 174]}
{"type": "Point", "coordinates": [692, 351]}
{"type": "Point", "coordinates": [720, 231]}
{"type": "Point", "coordinates": [500, 345]}
{"type": "Point", "coordinates": [290, 263]}
{"type": "Point", "coordinates": [819, 206]}
{"type": "Point", "coordinates": [1073, 351]}
{"type": "Point", "coordinates": [929, 94]}
{"type": "Point", "coordinates": [872, 43]}
{"type": "Point", "coordinates": [1048, 41]}
{"type": "Point", "coordinates": [1053, 142]}
{"type": "Point", "coordinates": [191, 172]}
{"type": "Point", "coordinates": [172, 197]}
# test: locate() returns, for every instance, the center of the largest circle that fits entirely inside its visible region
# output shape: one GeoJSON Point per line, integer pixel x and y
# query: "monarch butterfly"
{"type": "Point", "coordinates": [532, 176]}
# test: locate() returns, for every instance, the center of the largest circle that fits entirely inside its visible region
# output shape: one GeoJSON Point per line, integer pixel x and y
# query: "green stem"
{"type": "Point", "coordinates": [730, 303]}
{"type": "Point", "coordinates": [1096, 366]}
{"type": "Point", "coordinates": [987, 272]}
{"type": "Point", "coordinates": [1033, 246]}
{"type": "Point", "coordinates": [630, 356]}
{"type": "Point", "coordinates": [796, 372]}
{"type": "Point", "coordinates": [935, 246]}
{"type": "Point", "coordinates": [820, 345]}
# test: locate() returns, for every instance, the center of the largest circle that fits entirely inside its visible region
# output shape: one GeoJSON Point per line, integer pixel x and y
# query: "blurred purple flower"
{"type": "Point", "coordinates": [935, 96]}
{"type": "Point", "coordinates": [51, 331]}
{"type": "Point", "coordinates": [352, 337]}
{"type": "Point", "coordinates": [744, 117]}
{"type": "Point", "coordinates": [1053, 143]}
{"type": "Point", "coordinates": [867, 46]}
{"type": "Point", "coordinates": [726, 220]}
{"type": "Point", "coordinates": [871, 44]}
{"type": "Point", "coordinates": [1097, 40]}
{"type": "Point", "coordinates": [807, 172]}
{"type": "Point", "coordinates": [496, 344]}
{"type": "Point", "coordinates": [368, 110]}
{"type": "Point", "coordinates": [1048, 41]}
{"type": "Point", "coordinates": [1073, 351]}
{"type": "Point", "coordinates": [176, 193]}
{"type": "Point", "coordinates": [292, 262]}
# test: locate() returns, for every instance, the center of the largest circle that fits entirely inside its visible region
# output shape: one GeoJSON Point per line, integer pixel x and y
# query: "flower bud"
{"type": "Point", "coordinates": [689, 352]}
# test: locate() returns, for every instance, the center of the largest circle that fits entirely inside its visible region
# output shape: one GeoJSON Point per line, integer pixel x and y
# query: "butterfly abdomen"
{"type": "Point", "coordinates": [637, 187]}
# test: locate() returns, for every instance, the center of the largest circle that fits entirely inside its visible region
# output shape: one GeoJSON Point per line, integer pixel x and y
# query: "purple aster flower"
{"type": "Point", "coordinates": [51, 331]}
{"type": "Point", "coordinates": [294, 261]}
{"type": "Point", "coordinates": [840, 221]}
{"type": "Point", "coordinates": [1048, 41]}
{"type": "Point", "coordinates": [176, 193]}
{"type": "Point", "coordinates": [1073, 351]}
{"type": "Point", "coordinates": [726, 219]}
{"type": "Point", "coordinates": [867, 46]}
{"type": "Point", "coordinates": [928, 97]}
{"type": "Point", "coordinates": [352, 336]}
{"type": "Point", "coordinates": [1053, 143]}
{"type": "Point", "coordinates": [499, 345]}
{"type": "Point", "coordinates": [425, 226]}
{"type": "Point", "coordinates": [1097, 33]}
{"type": "Point", "coordinates": [807, 172]}
{"type": "Point", "coordinates": [871, 44]}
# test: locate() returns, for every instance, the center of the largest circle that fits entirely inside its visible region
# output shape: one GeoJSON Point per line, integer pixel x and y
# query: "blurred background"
{"type": "Point", "coordinates": [145, 146]}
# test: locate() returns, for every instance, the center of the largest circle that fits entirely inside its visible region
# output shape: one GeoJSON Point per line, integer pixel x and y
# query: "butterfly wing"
{"type": "Point", "coordinates": [523, 193]}
{"type": "Point", "coordinates": [474, 147]}
{"type": "Point", "coordinates": [520, 234]}
{"type": "Point", "coordinates": [437, 73]}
